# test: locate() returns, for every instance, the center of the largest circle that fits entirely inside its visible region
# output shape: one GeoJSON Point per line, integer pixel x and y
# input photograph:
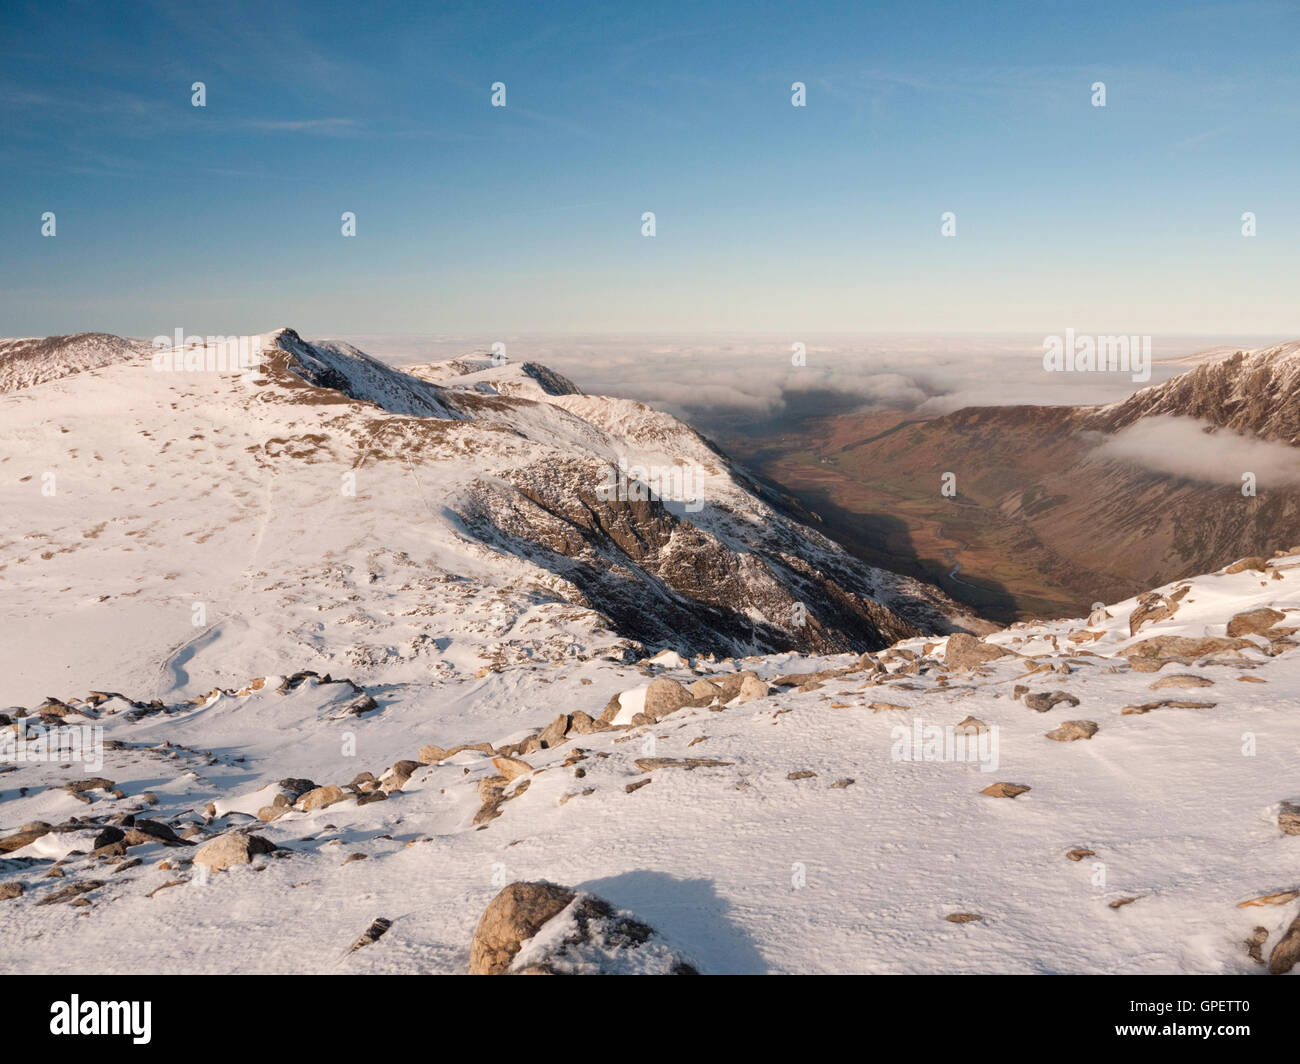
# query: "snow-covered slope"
{"type": "Point", "coordinates": [171, 530]}
{"type": "Point", "coordinates": [35, 360]}
{"type": "Point", "coordinates": [783, 824]}
{"type": "Point", "coordinates": [1251, 392]}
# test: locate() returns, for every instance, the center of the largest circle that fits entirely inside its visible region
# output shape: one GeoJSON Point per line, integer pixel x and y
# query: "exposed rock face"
{"type": "Point", "coordinates": [1254, 392]}
{"type": "Point", "coordinates": [233, 848]}
{"type": "Point", "coordinates": [667, 580]}
{"type": "Point", "coordinates": [544, 929]}
{"type": "Point", "coordinates": [1288, 818]}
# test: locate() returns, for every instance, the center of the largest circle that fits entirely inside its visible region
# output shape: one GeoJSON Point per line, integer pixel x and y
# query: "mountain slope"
{"type": "Point", "coordinates": [788, 824]}
{"type": "Point", "coordinates": [322, 510]}
{"type": "Point", "coordinates": [1058, 507]}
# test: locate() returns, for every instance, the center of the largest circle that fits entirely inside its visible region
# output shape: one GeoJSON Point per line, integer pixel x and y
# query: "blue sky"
{"type": "Point", "coordinates": [770, 218]}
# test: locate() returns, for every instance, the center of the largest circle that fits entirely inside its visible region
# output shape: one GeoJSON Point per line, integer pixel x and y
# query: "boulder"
{"type": "Point", "coordinates": [26, 834]}
{"type": "Point", "coordinates": [1254, 622]}
{"type": "Point", "coordinates": [665, 696]}
{"type": "Point", "coordinates": [233, 848]}
{"type": "Point", "coordinates": [1071, 730]}
{"type": "Point", "coordinates": [1286, 953]}
{"type": "Point", "coordinates": [752, 687]}
{"type": "Point", "coordinates": [321, 797]}
{"type": "Point", "coordinates": [1256, 564]}
{"type": "Point", "coordinates": [1045, 700]}
{"type": "Point", "coordinates": [544, 929]}
{"type": "Point", "coordinates": [964, 651]}
{"type": "Point", "coordinates": [512, 767]}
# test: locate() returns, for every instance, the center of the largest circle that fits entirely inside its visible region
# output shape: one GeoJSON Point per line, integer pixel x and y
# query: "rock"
{"type": "Point", "coordinates": [1150, 654]}
{"type": "Point", "coordinates": [885, 707]}
{"type": "Point", "coordinates": [581, 723]}
{"type": "Point", "coordinates": [294, 788]}
{"type": "Point", "coordinates": [964, 651]}
{"type": "Point", "coordinates": [1043, 701]}
{"type": "Point", "coordinates": [1254, 622]}
{"type": "Point", "coordinates": [704, 689]}
{"type": "Point", "coordinates": [1080, 854]}
{"type": "Point", "coordinates": [752, 687]}
{"type": "Point", "coordinates": [963, 918]}
{"type": "Point", "coordinates": [1257, 564]}
{"type": "Point", "coordinates": [400, 774]}
{"type": "Point", "coordinates": [1282, 897]}
{"type": "Point", "coordinates": [11, 890]}
{"type": "Point", "coordinates": [371, 934]}
{"type": "Point", "coordinates": [804, 774]}
{"type": "Point", "coordinates": [840, 784]}
{"type": "Point", "coordinates": [91, 783]}
{"type": "Point", "coordinates": [230, 849]}
{"type": "Point", "coordinates": [28, 833]}
{"type": "Point", "coordinates": [1255, 944]}
{"type": "Point", "coordinates": [553, 734]}
{"type": "Point", "coordinates": [512, 767]}
{"type": "Point", "coordinates": [142, 832]}
{"type": "Point", "coordinates": [280, 805]}
{"type": "Point", "coordinates": [107, 836]}
{"type": "Point", "coordinates": [1150, 607]}
{"type": "Point", "coordinates": [71, 891]}
{"type": "Point", "coordinates": [971, 726]}
{"type": "Point", "coordinates": [1287, 952]}
{"type": "Point", "coordinates": [729, 685]}
{"type": "Point", "coordinates": [372, 796]}
{"type": "Point", "coordinates": [321, 797]}
{"type": "Point", "coordinates": [360, 705]}
{"type": "Point", "coordinates": [665, 696]}
{"type": "Point", "coordinates": [1288, 818]}
{"type": "Point", "coordinates": [1071, 730]}
{"type": "Point", "coordinates": [1168, 703]}
{"type": "Point", "coordinates": [1181, 680]}
{"type": "Point", "coordinates": [649, 764]}
{"type": "Point", "coordinates": [515, 915]}
{"type": "Point", "coordinates": [636, 786]}
{"type": "Point", "coordinates": [544, 929]}
{"type": "Point", "coordinates": [1004, 790]}
{"type": "Point", "coordinates": [431, 754]}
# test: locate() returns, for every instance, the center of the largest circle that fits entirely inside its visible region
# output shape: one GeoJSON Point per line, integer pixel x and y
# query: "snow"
{"type": "Point", "coordinates": [739, 866]}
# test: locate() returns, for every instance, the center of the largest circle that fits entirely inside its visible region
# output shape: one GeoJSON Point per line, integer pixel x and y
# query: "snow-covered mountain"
{"type": "Point", "coordinates": [321, 510]}
{"type": "Point", "coordinates": [1113, 794]}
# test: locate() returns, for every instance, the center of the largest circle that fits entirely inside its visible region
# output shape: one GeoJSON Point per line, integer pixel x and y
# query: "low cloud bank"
{"type": "Point", "coordinates": [729, 377]}
{"type": "Point", "coordinates": [1186, 447]}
